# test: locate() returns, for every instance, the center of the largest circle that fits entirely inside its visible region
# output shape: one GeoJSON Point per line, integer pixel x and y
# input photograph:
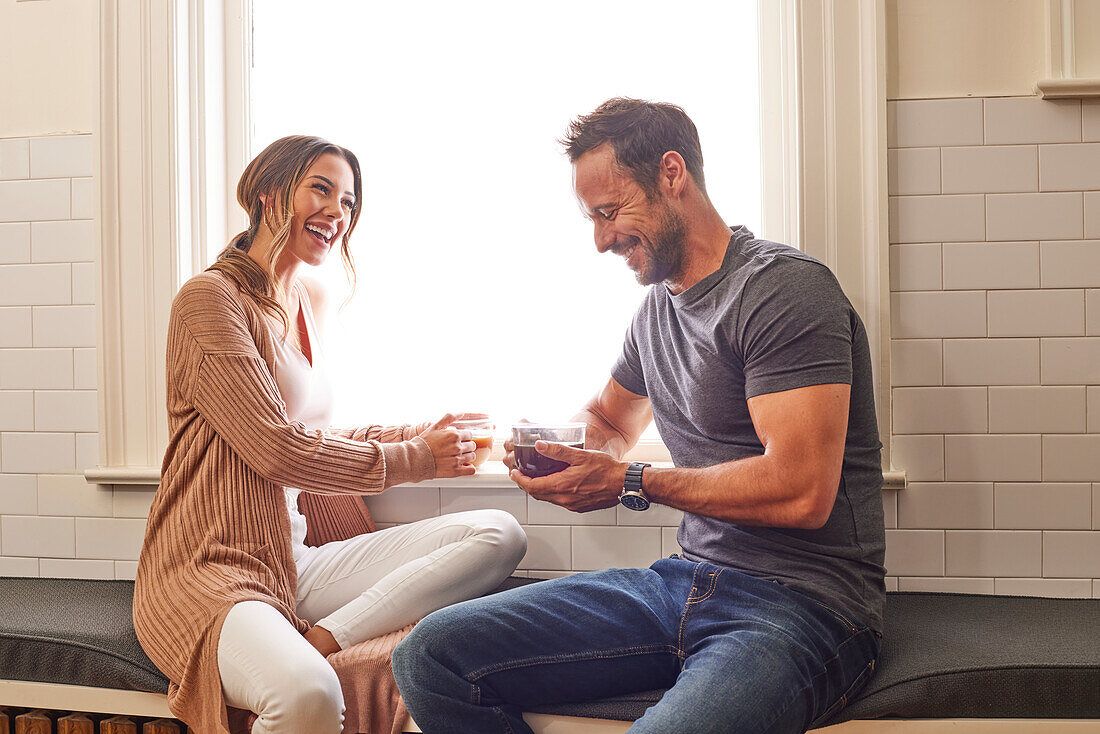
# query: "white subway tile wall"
{"type": "Point", "coordinates": [995, 281]}
{"type": "Point", "coordinates": [996, 374]}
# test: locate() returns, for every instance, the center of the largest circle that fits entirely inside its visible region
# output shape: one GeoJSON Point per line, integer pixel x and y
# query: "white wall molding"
{"type": "Point", "coordinates": [170, 139]}
{"type": "Point", "coordinates": [824, 153]}
{"type": "Point", "coordinates": [1061, 63]}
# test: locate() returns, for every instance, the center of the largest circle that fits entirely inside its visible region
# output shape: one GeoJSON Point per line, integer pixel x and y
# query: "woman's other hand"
{"type": "Point", "coordinates": [452, 449]}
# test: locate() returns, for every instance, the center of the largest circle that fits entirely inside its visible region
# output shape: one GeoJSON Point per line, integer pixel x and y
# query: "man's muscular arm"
{"type": "Point", "coordinates": [792, 484]}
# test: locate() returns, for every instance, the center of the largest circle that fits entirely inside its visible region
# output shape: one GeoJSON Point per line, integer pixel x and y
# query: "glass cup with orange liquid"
{"type": "Point", "coordinates": [481, 433]}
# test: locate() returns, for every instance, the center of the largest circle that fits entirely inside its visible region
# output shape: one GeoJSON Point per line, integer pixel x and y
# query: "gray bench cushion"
{"type": "Point", "coordinates": [73, 631]}
{"type": "Point", "coordinates": [943, 655]}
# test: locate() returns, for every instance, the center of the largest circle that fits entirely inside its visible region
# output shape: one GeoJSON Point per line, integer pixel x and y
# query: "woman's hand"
{"type": "Point", "coordinates": [452, 449]}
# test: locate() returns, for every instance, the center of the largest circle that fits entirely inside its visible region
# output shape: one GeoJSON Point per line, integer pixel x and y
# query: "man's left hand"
{"type": "Point", "coordinates": [592, 481]}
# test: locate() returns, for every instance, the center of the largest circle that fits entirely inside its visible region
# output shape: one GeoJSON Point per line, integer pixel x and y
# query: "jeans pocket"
{"type": "Point", "coordinates": [856, 686]}
{"type": "Point", "coordinates": [852, 626]}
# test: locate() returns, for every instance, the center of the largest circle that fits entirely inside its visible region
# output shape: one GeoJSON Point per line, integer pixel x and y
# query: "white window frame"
{"type": "Point", "coordinates": [174, 135]}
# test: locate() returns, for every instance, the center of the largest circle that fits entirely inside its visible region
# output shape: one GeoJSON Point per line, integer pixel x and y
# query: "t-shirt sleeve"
{"type": "Point", "coordinates": [627, 370]}
{"type": "Point", "coordinates": [794, 328]}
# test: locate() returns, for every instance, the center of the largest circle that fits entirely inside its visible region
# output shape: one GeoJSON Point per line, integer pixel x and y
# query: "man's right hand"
{"type": "Point", "coordinates": [453, 450]}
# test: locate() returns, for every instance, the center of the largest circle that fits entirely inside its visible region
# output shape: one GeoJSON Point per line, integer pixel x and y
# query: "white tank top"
{"type": "Point", "coordinates": [307, 392]}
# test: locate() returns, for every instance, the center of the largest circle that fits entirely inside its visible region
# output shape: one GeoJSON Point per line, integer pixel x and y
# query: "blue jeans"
{"type": "Point", "coordinates": [739, 654]}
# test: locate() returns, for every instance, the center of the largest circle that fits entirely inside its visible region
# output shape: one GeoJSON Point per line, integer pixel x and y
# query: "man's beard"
{"type": "Point", "coordinates": [664, 256]}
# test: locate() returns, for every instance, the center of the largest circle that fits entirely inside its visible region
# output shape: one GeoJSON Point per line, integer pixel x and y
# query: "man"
{"type": "Point", "coordinates": [756, 369]}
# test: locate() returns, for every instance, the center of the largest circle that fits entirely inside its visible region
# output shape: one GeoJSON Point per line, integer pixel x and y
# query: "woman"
{"type": "Point", "coordinates": [229, 601]}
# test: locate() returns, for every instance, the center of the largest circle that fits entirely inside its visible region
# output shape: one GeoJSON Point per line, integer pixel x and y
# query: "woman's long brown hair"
{"type": "Point", "coordinates": [275, 174]}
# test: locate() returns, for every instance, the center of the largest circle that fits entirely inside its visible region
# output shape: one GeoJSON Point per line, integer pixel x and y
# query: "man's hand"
{"type": "Point", "coordinates": [591, 482]}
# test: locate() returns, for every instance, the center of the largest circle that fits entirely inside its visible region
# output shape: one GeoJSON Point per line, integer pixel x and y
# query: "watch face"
{"type": "Point", "coordinates": [634, 501]}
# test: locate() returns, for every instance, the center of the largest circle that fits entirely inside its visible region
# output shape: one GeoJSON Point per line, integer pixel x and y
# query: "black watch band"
{"type": "Point", "coordinates": [632, 497]}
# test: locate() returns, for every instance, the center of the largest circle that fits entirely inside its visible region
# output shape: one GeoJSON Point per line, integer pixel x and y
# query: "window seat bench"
{"type": "Point", "coordinates": [962, 663]}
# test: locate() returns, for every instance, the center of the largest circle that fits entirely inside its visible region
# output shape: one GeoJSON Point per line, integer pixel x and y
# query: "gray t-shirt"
{"type": "Point", "coordinates": [769, 319]}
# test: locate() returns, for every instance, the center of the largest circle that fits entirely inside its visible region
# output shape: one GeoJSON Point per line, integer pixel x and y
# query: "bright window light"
{"type": "Point", "coordinates": [479, 287]}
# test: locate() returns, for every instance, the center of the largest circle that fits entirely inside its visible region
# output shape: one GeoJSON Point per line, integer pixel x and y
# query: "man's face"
{"type": "Point", "coordinates": [649, 233]}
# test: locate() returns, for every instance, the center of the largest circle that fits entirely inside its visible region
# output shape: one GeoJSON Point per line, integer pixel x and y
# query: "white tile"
{"type": "Point", "coordinates": [1068, 458]}
{"type": "Point", "coordinates": [66, 410]}
{"type": "Point", "coordinates": [1037, 409]}
{"type": "Point", "coordinates": [916, 362]}
{"type": "Point", "coordinates": [890, 508]}
{"type": "Point", "coordinates": [87, 451]}
{"type": "Point", "coordinates": [84, 369]}
{"type": "Point", "coordinates": [548, 547]}
{"type": "Point", "coordinates": [26, 567]}
{"type": "Point", "coordinates": [1090, 119]}
{"type": "Point", "coordinates": [1092, 313]}
{"type": "Point", "coordinates": [14, 159]}
{"type": "Point", "coordinates": [914, 552]}
{"type": "Point", "coordinates": [668, 517]}
{"type": "Point", "coordinates": [1034, 217]}
{"type": "Point", "coordinates": [914, 171]}
{"type": "Point", "coordinates": [921, 457]}
{"type": "Point", "coordinates": [15, 242]}
{"type": "Point", "coordinates": [36, 453]}
{"type": "Point", "coordinates": [996, 457]}
{"type": "Point", "coordinates": [934, 505]}
{"type": "Point", "coordinates": [50, 537]}
{"type": "Point", "coordinates": [18, 495]}
{"type": "Point", "coordinates": [596, 547]}
{"type": "Point", "coordinates": [62, 156]}
{"type": "Point", "coordinates": [1042, 506]}
{"type": "Point", "coordinates": [16, 410]}
{"type": "Point", "coordinates": [938, 122]}
{"type": "Point", "coordinates": [1071, 361]}
{"type": "Point", "coordinates": [939, 410]}
{"type": "Point", "coordinates": [83, 282]}
{"type": "Point", "coordinates": [404, 504]}
{"type": "Point", "coordinates": [540, 574]}
{"type": "Point", "coordinates": [109, 538]}
{"type": "Point", "coordinates": [63, 242]}
{"type": "Point", "coordinates": [938, 315]}
{"type": "Point", "coordinates": [69, 494]}
{"type": "Point", "coordinates": [36, 369]}
{"type": "Point", "coordinates": [83, 202]}
{"type": "Point", "coordinates": [1092, 214]}
{"type": "Point", "coordinates": [460, 499]}
{"type": "Point", "coordinates": [132, 502]}
{"type": "Point", "coordinates": [1096, 506]}
{"type": "Point", "coordinates": [15, 327]}
{"type": "Point", "coordinates": [1046, 312]}
{"type": "Point", "coordinates": [987, 265]}
{"type": "Point", "coordinates": [1070, 264]}
{"type": "Point", "coordinates": [990, 169]}
{"type": "Point", "coordinates": [1092, 409]}
{"type": "Point", "coordinates": [959, 218]}
{"type": "Point", "coordinates": [27, 201]}
{"type": "Point", "coordinates": [71, 568]}
{"type": "Point", "coordinates": [669, 544]}
{"type": "Point", "coordinates": [1064, 588]}
{"type": "Point", "coordinates": [64, 326]}
{"type": "Point", "coordinates": [1069, 167]}
{"type": "Point", "coordinates": [991, 361]}
{"type": "Point", "coordinates": [1071, 554]}
{"type": "Point", "coordinates": [547, 513]}
{"type": "Point", "coordinates": [126, 570]}
{"type": "Point", "coordinates": [994, 553]}
{"type": "Point", "coordinates": [915, 267]}
{"type": "Point", "coordinates": [946, 584]}
{"type": "Point", "coordinates": [35, 285]}
{"type": "Point", "coordinates": [1032, 120]}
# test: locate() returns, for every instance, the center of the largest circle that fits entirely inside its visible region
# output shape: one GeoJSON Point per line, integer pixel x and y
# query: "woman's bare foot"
{"type": "Point", "coordinates": [323, 640]}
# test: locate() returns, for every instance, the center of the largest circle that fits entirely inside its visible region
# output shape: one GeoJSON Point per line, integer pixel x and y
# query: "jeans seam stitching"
{"type": "Point", "coordinates": [572, 657]}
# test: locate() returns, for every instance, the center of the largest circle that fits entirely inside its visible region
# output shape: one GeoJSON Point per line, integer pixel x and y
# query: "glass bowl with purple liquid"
{"type": "Point", "coordinates": [531, 462]}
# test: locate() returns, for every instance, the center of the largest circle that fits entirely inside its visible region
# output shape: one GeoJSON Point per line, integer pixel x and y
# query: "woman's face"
{"type": "Point", "coordinates": [323, 204]}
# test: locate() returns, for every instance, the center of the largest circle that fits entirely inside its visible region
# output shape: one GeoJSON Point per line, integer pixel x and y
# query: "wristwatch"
{"type": "Point", "coordinates": [632, 497]}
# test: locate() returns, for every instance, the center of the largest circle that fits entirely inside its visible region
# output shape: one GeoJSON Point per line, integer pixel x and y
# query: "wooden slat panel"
{"type": "Point", "coordinates": [161, 726]}
{"type": "Point", "coordinates": [118, 725]}
{"type": "Point", "coordinates": [33, 722]}
{"type": "Point", "coordinates": [75, 724]}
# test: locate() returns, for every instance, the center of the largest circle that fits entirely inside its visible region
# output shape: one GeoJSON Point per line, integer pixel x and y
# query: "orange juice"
{"type": "Point", "coordinates": [483, 440]}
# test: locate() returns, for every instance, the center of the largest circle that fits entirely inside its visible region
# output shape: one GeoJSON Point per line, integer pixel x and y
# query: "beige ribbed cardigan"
{"type": "Point", "coordinates": [218, 530]}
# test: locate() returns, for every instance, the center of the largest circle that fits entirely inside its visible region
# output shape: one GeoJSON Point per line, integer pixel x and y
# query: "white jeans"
{"type": "Point", "coordinates": [357, 589]}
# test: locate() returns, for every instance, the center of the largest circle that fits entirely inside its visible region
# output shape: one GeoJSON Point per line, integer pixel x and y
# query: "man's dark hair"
{"type": "Point", "coordinates": [639, 132]}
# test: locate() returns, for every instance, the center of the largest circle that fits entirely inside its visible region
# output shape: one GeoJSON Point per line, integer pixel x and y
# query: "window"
{"type": "Point", "coordinates": [479, 285]}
